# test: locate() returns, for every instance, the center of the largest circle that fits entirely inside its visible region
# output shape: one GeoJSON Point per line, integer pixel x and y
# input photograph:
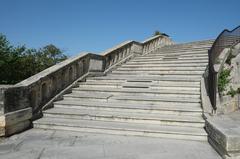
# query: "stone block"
{"type": "Point", "coordinates": [16, 98]}
{"type": "Point", "coordinates": [137, 48]}
{"type": "Point", "coordinates": [224, 134]}
{"type": "Point", "coordinates": [96, 65]}
{"type": "Point", "coordinates": [14, 122]}
{"type": "Point", "coordinates": [12, 129]}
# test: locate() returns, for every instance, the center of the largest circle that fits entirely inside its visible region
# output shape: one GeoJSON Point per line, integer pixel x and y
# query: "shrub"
{"type": "Point", "coordinates": [223, 79]}
{"type": "Point", "coordinates": [232, 92]}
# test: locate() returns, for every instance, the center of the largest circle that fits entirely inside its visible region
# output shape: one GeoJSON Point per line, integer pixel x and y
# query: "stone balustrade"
{"type": "Point", "coordinates": [23, 102]}
{"type": "Point", "coordinates": [124, 50]}
{"type": "Point", "coordinates": [155, 42]}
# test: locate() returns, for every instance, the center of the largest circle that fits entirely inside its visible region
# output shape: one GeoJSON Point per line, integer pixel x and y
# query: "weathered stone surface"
{"type": "Point", "coordinates": [205, 100]}
{"type": "Point", "coordinates": [15, 121]}
{"type": "Point", "coordinates": [18, 127]}
{"type": "Point", "coordinates": [47, 144]}
{"type": "Point", "coordinates": [38, 91]}
{"type": "Point", "coordinates": [229, 103]}
{"type": "Point", "coordinates": [3, 88]}
{"type": "Point", "coordinates": [176, 118]}
{"type": "Point", "coordinates": [224, 133]}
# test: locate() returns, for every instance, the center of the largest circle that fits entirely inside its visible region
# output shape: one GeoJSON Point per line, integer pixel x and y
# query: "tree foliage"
{"type": "Point", "coordinates": [19, 63]}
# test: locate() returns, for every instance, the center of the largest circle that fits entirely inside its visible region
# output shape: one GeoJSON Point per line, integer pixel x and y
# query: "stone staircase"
{"type": "Point", "coordinates": [156, 95]}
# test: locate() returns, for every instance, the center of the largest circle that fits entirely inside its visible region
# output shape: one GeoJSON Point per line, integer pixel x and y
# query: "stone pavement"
{"type": "Point", "coordinates": [52, 144]}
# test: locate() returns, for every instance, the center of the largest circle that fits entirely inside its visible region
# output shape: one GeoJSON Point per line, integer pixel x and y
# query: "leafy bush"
{"type": "Point", "coordinates": [223, 79]}
{"type": "Point", "coordinates": [232, 92]}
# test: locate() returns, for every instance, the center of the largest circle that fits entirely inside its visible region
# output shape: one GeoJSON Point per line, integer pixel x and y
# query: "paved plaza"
{"type": "Point", "coordinates": [54, 144]}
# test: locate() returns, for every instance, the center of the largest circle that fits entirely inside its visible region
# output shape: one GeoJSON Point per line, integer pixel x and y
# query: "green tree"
{"type": "Point", "coordinates": [49, 56]}
{"type": "Point", "coordinates": [9, 60]}
{"type": "Point", "coordinates": [19, 63]}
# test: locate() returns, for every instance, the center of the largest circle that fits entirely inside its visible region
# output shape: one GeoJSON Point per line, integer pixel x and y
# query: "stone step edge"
{"type": "Point", "coordinates": [180, 119]}
{"type": "Point", "coordinates": [133, 98]}
{"type": "Point", "coordinates": [123, 132]}
{"type": "Point", "coordinates": [109, 105]}
{"type": "Point", "coordinates": [153, 91]}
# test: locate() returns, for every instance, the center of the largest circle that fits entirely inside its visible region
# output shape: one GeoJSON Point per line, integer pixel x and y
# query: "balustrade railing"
{"type": "Point", "coordinates": [129, 48]}
{"type": "Point", "coordinates": [38, 90]}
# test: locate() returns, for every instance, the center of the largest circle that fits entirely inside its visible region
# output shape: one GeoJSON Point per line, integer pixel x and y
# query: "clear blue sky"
{"type": "Point", "coordinates": [96, 25]}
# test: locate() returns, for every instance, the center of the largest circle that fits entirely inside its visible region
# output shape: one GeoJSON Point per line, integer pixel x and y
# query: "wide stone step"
{"type": "Point", "coordinates": [134, 101]}
{"type": "Point", "coordinates": [155, 99]}
{"type": "Point", "coordinates": [160, 84]}
{"type": "Point", "coordinates": [179, 68]}
{"type": "Point", "coordinates": [132, 117]}
{"type": "Point", "coordinates": [188, 53]}
{"type": "Point", "coordinates": [162, 87]}
{"type": "Point", "coordinates": [188, 46]}
{"type": "Point", "coordinates": [156, 72]}
{"type": "Point", "coordinates": [164, 108]}
{"type": "Point", "coordinates": [129, 98]}
{"type": "Point", "coordinates": [131, 87]}
{"type": "Point", "coordinates": [193, 44]}
{"type": "Point", "coordinates": [147, 65]}
{"type": "Point", "coordinates": [157, 61]}
{"type": "Point", "coordinates": [175, 54]}
{"type": "Point", "coordinates": [122, 128]}
{"type": "Point", "coordinates": [179, 54]}
{"type": "Point", "coordinates": [154, 85]}
{"type": "Point", "coordinates": [178, 51]}
{"type": "Point", "coordinates": [134, 91]}
{"type": "Point", "coordinates": [110, 82]}
{"type": "Point", "coordinates": [148, 78]}
{"type": "Point", "coordinates": [172, 59]}
{"type": "Point", "coordinates": [140, 91]}
{"type": "Point", "coordinates": [102, 84]}
{"type": "Point", "coordinates": [170, 56]}
{"type": "Point", "coordinates": [185, 48]}
{"type": "Point", "coordinates": [155, 76]}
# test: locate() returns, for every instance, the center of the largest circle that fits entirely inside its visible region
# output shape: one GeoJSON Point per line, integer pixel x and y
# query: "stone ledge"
{"type": "Point", "coordinates": [14, 122]}
{"type": "Point", "coordinates": [224, 134]}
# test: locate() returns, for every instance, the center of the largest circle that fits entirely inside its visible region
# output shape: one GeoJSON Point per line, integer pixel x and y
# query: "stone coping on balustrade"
{"type": "Point", "coordinates": [123, 44]}
{"type": "Point", "coordinates": [51, 69]}
{"type": "Point", "coordinates": [151, 38]}
{"type": "Point", "coordinates": [5, 85]}
{"type": "Point", "coordinates": [224, 134]}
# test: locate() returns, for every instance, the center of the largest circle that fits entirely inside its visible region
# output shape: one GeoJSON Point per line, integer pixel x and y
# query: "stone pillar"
{"type": "Point", "coordinates": [13, 119]}
{"type": "Point", "coordinates": [96, 65]}
{"type": "Point", "coordinates": [136, 48]}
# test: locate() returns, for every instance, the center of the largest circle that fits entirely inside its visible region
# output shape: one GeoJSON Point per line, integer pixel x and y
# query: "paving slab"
{"type": "Point", "coordinates": [54, 144]}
